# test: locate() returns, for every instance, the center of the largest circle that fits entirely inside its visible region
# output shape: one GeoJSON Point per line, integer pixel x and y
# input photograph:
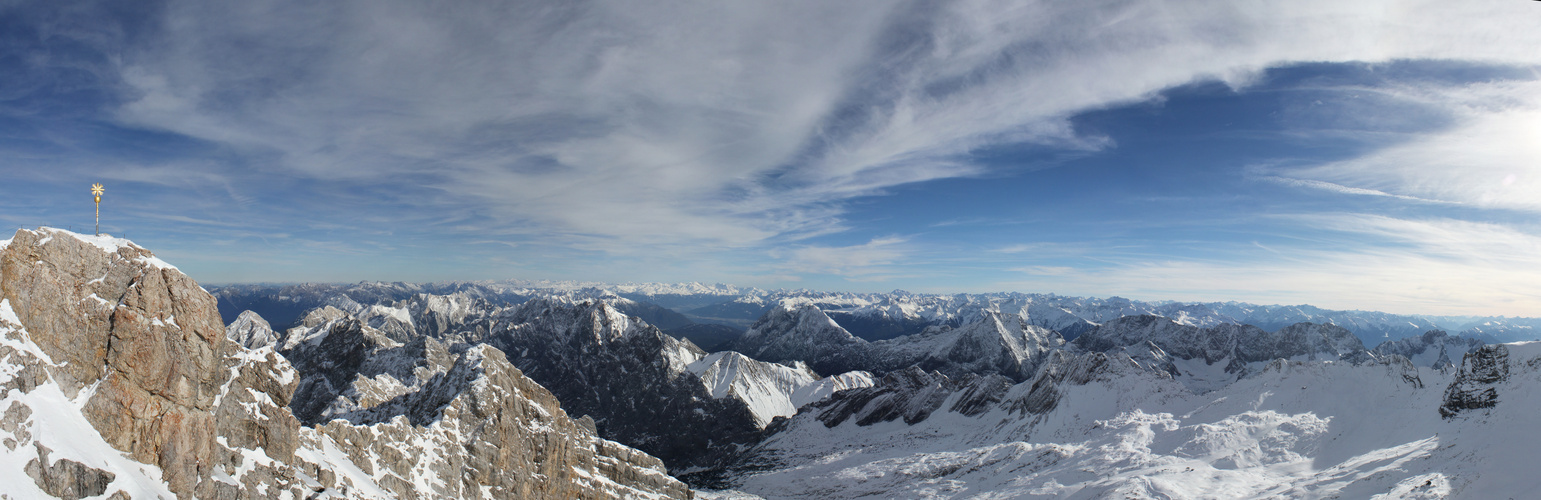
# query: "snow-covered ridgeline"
{"type": "Point", "coordinates": [798, 330]}
{"type": "Point", "coordinates": [883, 315]}
{"type": "Point", "coordinates": [640, 385]}
{"type": "Point", "coordinates": [1293, 429]}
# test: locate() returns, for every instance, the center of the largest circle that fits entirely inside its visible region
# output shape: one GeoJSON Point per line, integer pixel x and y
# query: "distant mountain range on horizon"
{"type": "Point", "coordinates": [714, 314]}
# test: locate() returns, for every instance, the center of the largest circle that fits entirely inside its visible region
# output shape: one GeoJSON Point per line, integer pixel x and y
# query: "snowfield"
{"type": "Point", "coordinates": [1295, 430]}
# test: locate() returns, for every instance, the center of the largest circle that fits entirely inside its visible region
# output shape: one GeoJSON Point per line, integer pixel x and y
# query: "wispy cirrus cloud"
{"type": "Point", "coordinates": [1339, 188]}
{"type": "Point", "coordinates": [1408, 266]}
{"type": "Point", "coordinates": [610, 125]}
{"type": "Point", "coordinates": [1489, 157]}
{"type": "Point", "coordinates": [869, 261]}
{"type": "Point", "coordinates": [607, 133]}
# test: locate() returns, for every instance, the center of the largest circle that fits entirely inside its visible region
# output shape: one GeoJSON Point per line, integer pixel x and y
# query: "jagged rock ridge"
{"type": "Point", "coordinates": [1434, 348]}
{"type": "Point", "coordinates": [639, 385]}
{"type": "Point", "coordinates": [996, 343]}
{"type": "Point", "coordinates": [119, 379]}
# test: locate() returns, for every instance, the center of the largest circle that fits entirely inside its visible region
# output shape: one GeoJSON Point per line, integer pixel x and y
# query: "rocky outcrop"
{"type": "Point", "coordinates": [913, 394]}
{"type": "Point", "coordinates": [1474, 385]}
{"type": "Point", "coordinates": [67, 479]}
{"type": "Point", "coordinates": [631, 377]}
{"type": "Point", "coordinates": [112, 315]}
{"type": "Point", "coordinates": [1237, 345]}
{"type": "Point", "coordinates": [484, 430]}
{"type": "Point", "coordinates": [127, 346]}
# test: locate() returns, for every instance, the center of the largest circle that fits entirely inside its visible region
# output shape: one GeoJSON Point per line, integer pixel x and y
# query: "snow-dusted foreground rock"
{"type": "Point", "coordinates": [117, 379]}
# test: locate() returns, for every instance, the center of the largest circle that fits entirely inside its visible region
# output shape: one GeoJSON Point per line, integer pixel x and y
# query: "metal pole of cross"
{"type": "Point", "coordinates": [96, 192]}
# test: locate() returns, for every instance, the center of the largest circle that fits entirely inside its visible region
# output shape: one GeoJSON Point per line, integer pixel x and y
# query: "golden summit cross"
{"type": "Point", "coordinates": [96, 192]}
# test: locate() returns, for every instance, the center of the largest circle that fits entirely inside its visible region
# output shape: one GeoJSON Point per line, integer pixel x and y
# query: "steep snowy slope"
{"type": "Point", "coordinates": [767, 388]}
{"type": "Point", "coordinates": [1296, 429]}
{"type": "Point", "coordinates": [251, 331]}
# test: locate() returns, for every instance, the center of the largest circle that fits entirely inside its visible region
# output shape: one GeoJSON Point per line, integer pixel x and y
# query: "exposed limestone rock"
{"type": "Point", "coordinates": [483, 429]}
{"type": "Point", "coordinates": [1472, 388]}
{"type": "Point", "coordinates": [252, 412]}
{"type": "Point", "coordinates": [13, 421]}
{"type": "Point", "coordinates": [107, 311]}
{"type": "Point", "coordinates": [67, 479]}
{"type": "Point", "coordinates": [138, 347]}
{"type": "Point", "coordinates": [911, 394]}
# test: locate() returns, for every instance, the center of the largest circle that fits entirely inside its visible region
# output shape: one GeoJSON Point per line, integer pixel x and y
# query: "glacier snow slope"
{"type": "Point", "coordinates": [1297, 429]}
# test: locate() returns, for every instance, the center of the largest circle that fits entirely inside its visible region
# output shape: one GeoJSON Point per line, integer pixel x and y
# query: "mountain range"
{"type": "Point", "coordinates": [685, 309]}
{"type": "Point", "coordinates": [123, 377]}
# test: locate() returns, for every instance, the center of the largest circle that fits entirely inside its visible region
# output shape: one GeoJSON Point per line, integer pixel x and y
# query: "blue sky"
{"type": "Point", "coordinates": [1371, 155]}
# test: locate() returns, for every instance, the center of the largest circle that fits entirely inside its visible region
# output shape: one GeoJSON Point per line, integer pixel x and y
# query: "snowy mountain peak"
{"type": "Point", "coordinates": [766, 387]}
{"type": "Point", "coordinates": [596, 320]}
{"type": "Point", "coordinates": [251, 331]}
{"type": "Point", "coordinates": [792, 321]}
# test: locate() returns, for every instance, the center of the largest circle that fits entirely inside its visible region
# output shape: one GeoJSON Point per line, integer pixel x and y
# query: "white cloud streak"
{"type": "Point", "coordinates": [617, 125]}
{"type": "Point", "coordinates": [1490, 157]}
{"type": "Point", "coordinates": [868, 261]}
{"type": "Point", "coordinates": [1434, 266]}
{"type": "Point", "coordinates": [1339, 188]}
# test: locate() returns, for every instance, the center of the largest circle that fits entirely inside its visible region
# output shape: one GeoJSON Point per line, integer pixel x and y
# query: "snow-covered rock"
{"type": "Point", "coordinates": [1107, 427]}
{"type": "Point", "coordinates": [1476, 383]}
{"type": "Point", "coordinates": [116, 378]}
{"type": "Point", "coordinates": [1434, 348]}
{"type": "Point", "coordinates": [1236, 349]}
{"type": "Point", "coordinates": [249, 330]}
{"type": "Point", "coordinates": [796, 330]}
{"type": "Point", "coordinates": [639, 385]}
{"type": "Point", "coordinates": [767, 388]}
{"type": "Point", "coordinates": [996, 343]}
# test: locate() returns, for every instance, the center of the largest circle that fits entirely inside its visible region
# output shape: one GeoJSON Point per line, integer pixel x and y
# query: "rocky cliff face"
{"type": "Point", "coordinates": [141, 334]}
{"type": "Point", "coordinates": [117, 378]}
{"type": "Point", "coordinates": [1237, 345]}
{"type": "Point", "coordinates": [1474, 387]}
